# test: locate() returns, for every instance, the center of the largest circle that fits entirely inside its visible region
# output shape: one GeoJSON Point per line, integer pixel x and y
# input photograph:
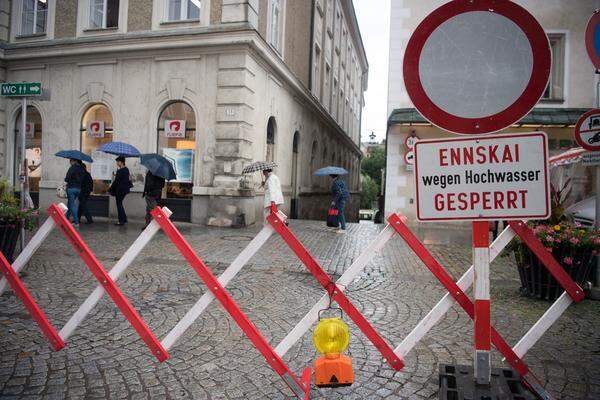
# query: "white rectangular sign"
{"type": "Point", "coordinates": [591, 158]}
{"type": "Point", "coordinates": [175, 128]}
{"type": "Point", "coordinates": [484, 178]}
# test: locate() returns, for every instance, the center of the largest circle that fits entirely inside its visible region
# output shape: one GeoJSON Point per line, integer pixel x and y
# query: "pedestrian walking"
{"type": "Point", "coordinates": [87, 187]}
{"type": "Point", "coordinates": [273, 192]}
{"type": "Point", "coordinates": [120, 187]}
{"type": "Point", "coordinates": [153, 186]}
{"type": "Point", "coordinates": [340, 197]}
{"type": "Point", "coordinates": [73, 179]}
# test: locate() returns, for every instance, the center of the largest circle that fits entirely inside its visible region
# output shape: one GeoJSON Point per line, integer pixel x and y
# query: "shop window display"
{"type": "Point", "coordinates": [177, 143]}
{"type": "Point", "coordinates": [97, 129]}
{"type": "Point", "coordinates": [33, 148]}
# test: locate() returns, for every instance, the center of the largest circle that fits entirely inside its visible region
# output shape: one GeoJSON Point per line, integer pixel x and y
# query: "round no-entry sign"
{"type": "Point", "coordinates": [477, 66]}
{"type": "Point", "coordinates": [592, 39]}
{"type": "Point", "coordinates": [587, 130]}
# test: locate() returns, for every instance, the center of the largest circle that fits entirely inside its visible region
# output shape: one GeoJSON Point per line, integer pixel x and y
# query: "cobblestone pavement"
{"type": "Point", "coordinates": [213, 360]}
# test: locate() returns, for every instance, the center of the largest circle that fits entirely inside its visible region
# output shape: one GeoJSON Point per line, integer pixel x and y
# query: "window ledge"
{"type": "Point", "coordinates": [31, 36]}
{"type": "Point", "coordinates": [92, 30]}
{"type": "Point", "coordinates": [180, 22]}
{"type": "Point", "coordinates": [552, 101]}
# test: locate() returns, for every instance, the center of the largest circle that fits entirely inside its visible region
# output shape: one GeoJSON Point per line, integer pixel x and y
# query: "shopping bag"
{"type": "Point", "coordinates": [332, 217]}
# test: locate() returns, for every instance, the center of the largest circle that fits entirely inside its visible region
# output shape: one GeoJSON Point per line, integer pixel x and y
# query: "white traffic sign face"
{"type": "Point", "coordinates": [409, 157]}
{"type": "Point", "coordinates": [488, 178]}
{"type": "Point", "coordinates": [410, 141]}
{"type": "Point", "coordinates": [475, 67]}
{"type": "Point", "coordinates": [591, 159]}
{"type": "Point", "coordinates": [587, 130]}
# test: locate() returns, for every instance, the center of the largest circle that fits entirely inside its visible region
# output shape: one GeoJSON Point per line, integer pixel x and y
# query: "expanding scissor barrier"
{"type": "Point", "coordinates": [300, 386]}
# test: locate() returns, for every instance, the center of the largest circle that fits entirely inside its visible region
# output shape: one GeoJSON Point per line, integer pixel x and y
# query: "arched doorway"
{"type": "Point", "coordinates": [294, 201]}
{"type": "Point", "coordinates": [271, 130]}
{"type": "Point", "coordinates": [95, 130]}
{"type": "Point", "coordinates": [33, 151]}
{"type": "Point", "coordinates": [176, 141]}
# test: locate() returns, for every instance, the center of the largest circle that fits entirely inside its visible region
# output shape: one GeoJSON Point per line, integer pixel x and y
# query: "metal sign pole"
{"type": "Point", "coordinates": [23, 174]}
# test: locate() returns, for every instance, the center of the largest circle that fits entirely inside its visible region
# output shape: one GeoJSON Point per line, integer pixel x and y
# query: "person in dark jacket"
{"type": "Point", "coordinates": [340, 196]}
{"type": "Point", "coordinates": [87, 187]}
{"type": "Point", "coordinates": [74, 178]}
{"type": "Point", "coordinates": [120, 188]}
{"type": "Point", "coordinates": [153, 186]}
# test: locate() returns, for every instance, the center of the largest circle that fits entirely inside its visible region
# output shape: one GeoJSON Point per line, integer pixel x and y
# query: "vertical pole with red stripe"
{"type": "Point", "coordinates": [481, 264]}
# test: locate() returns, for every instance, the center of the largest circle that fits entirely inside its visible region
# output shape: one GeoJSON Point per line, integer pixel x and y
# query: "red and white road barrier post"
{"type": "Point", "coordinates": [481, 264]}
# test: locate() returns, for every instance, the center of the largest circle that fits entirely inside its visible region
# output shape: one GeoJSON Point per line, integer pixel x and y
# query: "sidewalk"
{"type": "Point", "coordinates": [213, 360]}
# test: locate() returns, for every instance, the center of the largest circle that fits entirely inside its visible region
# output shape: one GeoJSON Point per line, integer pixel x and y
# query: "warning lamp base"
{"type": "Point", "coordinates": [334, 372]}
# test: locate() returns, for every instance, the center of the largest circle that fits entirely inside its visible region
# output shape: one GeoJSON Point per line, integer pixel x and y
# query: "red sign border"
{"type": "Point", "coordinates": [589, 39]}
{"type": "Point", "coordinates": [542, 61]}
{"type": "Point", "coordinates": [488, 218]}
{"type": "Point", "coordinates": [577, 132]}
{"type": "Point", "coordinates": [406, 141]}
{"type": "Point", "coordinates": [406, 154]}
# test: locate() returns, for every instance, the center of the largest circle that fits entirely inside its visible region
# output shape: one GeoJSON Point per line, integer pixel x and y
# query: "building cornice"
{"type": "Point", "coordinates": [210, 40]}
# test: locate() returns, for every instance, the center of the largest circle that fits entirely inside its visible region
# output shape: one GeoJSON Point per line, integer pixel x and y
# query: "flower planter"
{"type": "Point", "coordinates": [536, 280]}
{"type": "Point", "coordinates": [9, 236]}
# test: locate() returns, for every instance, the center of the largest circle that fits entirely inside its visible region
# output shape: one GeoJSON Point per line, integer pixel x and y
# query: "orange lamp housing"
{"type": "Point", "coordinates": [331, 338]}
{"type": "Point", "coordinates": [334, 372]}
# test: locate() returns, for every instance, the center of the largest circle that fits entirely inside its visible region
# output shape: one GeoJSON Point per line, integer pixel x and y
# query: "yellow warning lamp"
{"type": "Point", "coordinates": [331, 338]}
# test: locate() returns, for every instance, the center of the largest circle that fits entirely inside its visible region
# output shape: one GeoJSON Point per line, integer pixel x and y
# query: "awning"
{"type": "Point", "coordinates": [538, 117]}
{"type": "Point", "coordinates": [570, 156]}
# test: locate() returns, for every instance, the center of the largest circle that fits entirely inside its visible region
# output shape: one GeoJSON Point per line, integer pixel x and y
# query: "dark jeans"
{"type": "Point", "coordinates": [72, 195]}
{"type": "Point", "coordinates": [341, 218]}
{"type": "Point", "coordinates": [120, 209]}
{"type": "Point", "coordinates": [151, 203]}
{"type": "Point", "coordinates": [83, 207]}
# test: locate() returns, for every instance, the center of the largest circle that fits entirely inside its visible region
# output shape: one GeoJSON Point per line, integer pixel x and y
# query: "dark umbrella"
{"type": "Point", "coordinates": [120, 149]}
{"type": "Point", "coordinates": [158, 166]}
{"type": "Point", "coordinates": [330, 171]}
{"type": "Point", "coordinates": [74, 154]}
{"type": "Point", "coordinates": [258, 166]}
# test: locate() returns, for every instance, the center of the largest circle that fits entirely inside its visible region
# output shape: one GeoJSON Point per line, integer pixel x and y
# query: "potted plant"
{"type": "Point", "coordinates": [12, 219]}
{"type": "Point", "coordinates": [573, 246]}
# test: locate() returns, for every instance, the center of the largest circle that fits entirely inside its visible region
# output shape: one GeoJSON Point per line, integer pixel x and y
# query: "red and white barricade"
{"type": "Point", "coordinates": [334, 292]}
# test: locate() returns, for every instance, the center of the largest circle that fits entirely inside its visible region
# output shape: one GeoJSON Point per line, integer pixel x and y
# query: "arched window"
{"type": "Point", "coordinates": [33, 148]}
{"type": "Point", "coordinates": [296, 143]}
{"type": "Point", "coordinates": [176, 141]}
{"type": "Point", "coordinates": [313, 155]}
{"type": "Point", "coordinates": [271, 130]}
{"type": "Point", "coordinates": [97, 129]}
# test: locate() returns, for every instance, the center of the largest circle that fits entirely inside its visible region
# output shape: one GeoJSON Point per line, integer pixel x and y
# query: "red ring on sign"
{"type": "Point", "coordinates": [542, 61]}
{"type": "Point", "coordinates": [589, 39]}
{"type": "Point", "coordinates": [580, 121]}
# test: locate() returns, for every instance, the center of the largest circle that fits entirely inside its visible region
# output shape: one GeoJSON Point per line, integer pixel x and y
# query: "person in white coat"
{"type": "Point", "coordinates": [273, 192]}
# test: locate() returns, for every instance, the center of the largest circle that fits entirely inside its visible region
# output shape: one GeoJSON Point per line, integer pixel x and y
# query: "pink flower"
{"type": "Point", "coordinates": [577, 225]}
{"type": "Point", "coordinates": [549, 239]}
{"type": "Point", "coordinates": [558, 240]}
{"type": "Point", "coordinates": [568, 260]}
{"type": "Point", "coordinates": [574, 240]}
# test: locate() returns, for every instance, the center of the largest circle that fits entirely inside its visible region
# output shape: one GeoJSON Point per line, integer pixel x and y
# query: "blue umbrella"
{"type": "Point", "coordinates": [158, 165]}
{"type": "Point", "coordinates": [120, 149]}
{"type": "Point", "coordinates": [74, 154]}
{"type": "Point", "coordinates": [330, 171]}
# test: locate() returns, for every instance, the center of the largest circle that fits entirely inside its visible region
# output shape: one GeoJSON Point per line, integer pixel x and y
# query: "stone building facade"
{"type": "Point", "coordinates": [214, 84]}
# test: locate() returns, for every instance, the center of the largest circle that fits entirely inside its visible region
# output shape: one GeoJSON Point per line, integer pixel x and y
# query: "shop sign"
{"type": "Point", "coordinates": [488, 178]}
{"type": "Point", "coordinates": [591, 158]}
{"type": "Point", "coordinates": [29, 130]}
{"type": "Point", "coordinates": [175, 128]}
{"type": "Point", "coordinates": [95, 129]}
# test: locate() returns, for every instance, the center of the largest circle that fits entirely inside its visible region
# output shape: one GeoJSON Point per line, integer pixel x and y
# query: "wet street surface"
{"type": "Point", "coordinates": [105, 358]}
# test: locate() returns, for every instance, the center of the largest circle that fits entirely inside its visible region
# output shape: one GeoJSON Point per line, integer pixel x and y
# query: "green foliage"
{"type": "Point", "coordinates": [373, 164]}
{"type": "Point", "coordinates": [11, 211]}
{"type": "Point", "coordinates": [370, 191]}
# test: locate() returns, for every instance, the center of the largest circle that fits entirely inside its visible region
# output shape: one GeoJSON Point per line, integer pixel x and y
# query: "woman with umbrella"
{"type": "Point", "coordinates": [271, 184]}
{"type": "Point", "coordinates": [339, 191]}
{"type": "Point", "coordinates": [74, 180]}
{"type": "Point", "coordinates": [159, 170]}
{"type": "Point", "coordinates": [121, 185]}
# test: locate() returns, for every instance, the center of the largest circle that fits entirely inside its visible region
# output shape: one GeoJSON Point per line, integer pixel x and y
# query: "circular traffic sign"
{"type": "Point", "coordinates": [592, 39]}
{"type": "Point", "coordinates": [587, 130]}
{"type": "Point", "coordinates": [477, 66]}
{"type": "Point", "coordinates": [410, 141]}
